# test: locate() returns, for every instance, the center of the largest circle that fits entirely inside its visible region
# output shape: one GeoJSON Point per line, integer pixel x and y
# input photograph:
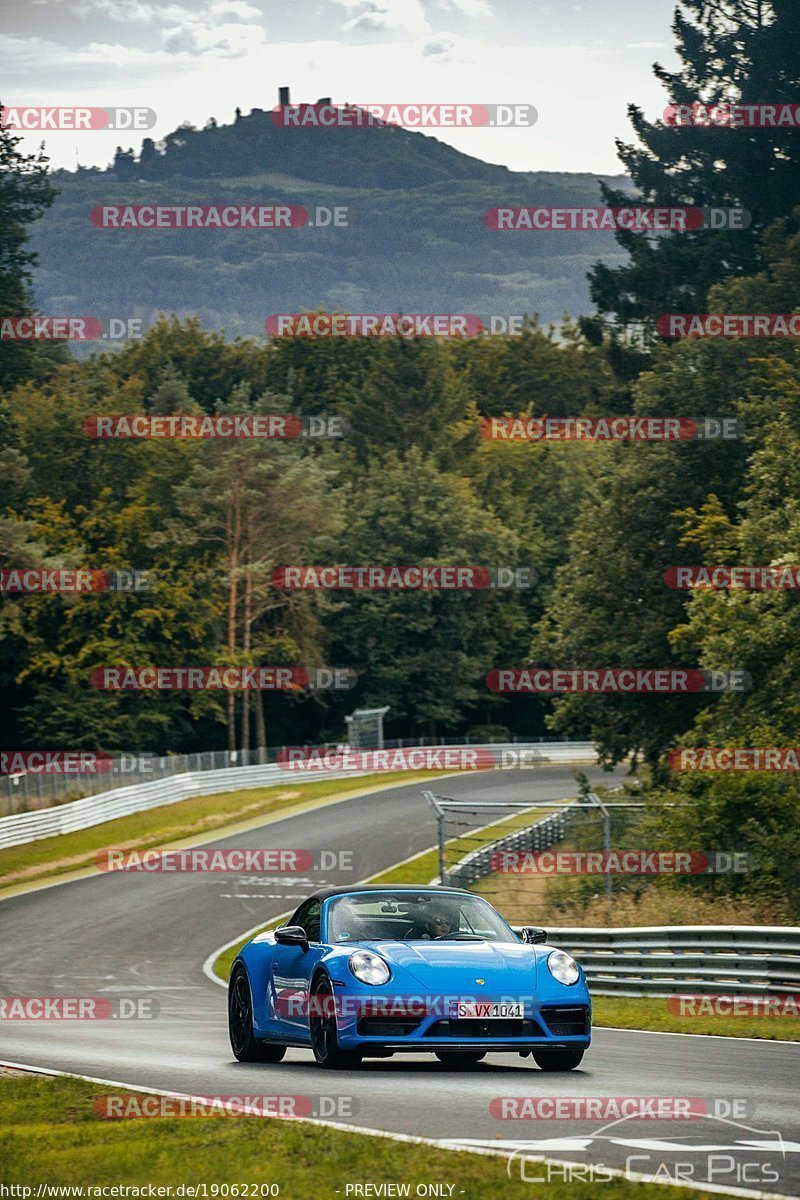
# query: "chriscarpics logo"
{"type": "Point", "coordinates": [695, 1143]}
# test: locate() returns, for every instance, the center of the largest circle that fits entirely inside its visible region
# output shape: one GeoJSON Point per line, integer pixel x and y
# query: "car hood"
{"type": "Point", "coordinates": [436, 964]}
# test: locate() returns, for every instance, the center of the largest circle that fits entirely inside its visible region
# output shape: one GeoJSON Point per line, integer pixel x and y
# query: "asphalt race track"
{"type": "Point", "coordinates": [148, 935]}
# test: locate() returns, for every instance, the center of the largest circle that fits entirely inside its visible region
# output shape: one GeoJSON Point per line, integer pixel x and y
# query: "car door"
{"type": "Point", "coordinates": [291, 972]}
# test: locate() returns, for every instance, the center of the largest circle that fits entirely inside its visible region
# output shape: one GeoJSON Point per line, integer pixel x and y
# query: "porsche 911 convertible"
{"type": "Point", "coordinates": [372, 971]}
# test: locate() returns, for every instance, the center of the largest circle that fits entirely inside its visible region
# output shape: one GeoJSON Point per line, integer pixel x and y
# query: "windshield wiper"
{"type": "Point", "coordinates": [462, 937]}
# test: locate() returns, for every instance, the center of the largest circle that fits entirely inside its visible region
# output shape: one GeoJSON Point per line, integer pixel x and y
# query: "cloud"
{"type": "Point", "coordinates": [410, 17]}
{"type": "Point", "coordinates": [406, 16]}
{"type": "Point", "coordinates": [197, 38]}
{"type": "Point", "coordinates": [234, 10]}
{"type": "Point", "coordinates": [439, 48]}
{"type": "Point", "coordinates": [212, 13]}
{"type": "Point", "coordinates": [467, 8]}
{"type": "Point", "coordinates": [218, 28]}
{"type": "Point", "coordinates": [386, 16]}
{"type": "Point", "coordinates": [80, 74]}
{"type": "Point", "coordinates": [128, 11]}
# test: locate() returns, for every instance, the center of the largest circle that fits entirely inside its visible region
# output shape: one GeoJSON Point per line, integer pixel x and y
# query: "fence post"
{"type": "Point", "coordinates": [606, 816]}
{"type": "Point", "coordinates": [442, 852]}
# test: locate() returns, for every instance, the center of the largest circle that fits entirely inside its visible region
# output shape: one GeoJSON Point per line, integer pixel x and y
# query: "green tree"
{"type": "Point", "coordinates": [245, 508]}
{"type": "Point", "coordinates": [209, 366]}
{"type": "Point", "coordinates": [25, 192]}
{"type": "Point", "coordinates": [424, 653]}
{"type": "Point", "coordinates": [656, 506]}
{"type": "Point", "coordinates": [731, 51]}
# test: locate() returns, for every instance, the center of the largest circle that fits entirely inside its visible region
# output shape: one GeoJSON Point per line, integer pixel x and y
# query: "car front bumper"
{"type": "Point", "coordinates": [555, 1026]}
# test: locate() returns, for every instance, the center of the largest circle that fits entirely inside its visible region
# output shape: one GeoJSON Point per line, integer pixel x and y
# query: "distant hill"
{"type": "Point", "coordinates": [416, 240]}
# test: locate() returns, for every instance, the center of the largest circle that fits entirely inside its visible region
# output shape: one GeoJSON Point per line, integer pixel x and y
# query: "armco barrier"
{"type": "Point", "coordinates": [19, 828]}
{"type": "Point", "coordinates": [30, 791]}
{"type": "Point", "coordinates": [662, 960]}
{"type": "Point", "coordinates": [121, 802]}
{"type": "Point", "coordinates": [657, 960]}
{"type": "Point", "coordinates": [540, 836]}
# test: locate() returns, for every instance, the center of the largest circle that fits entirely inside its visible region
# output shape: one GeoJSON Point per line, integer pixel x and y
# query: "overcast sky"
{"type": "Point", "coordinates": [579, 63]}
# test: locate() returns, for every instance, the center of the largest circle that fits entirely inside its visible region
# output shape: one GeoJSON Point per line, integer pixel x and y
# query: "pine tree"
{"type": "Point", "coordinates": [148, 157]}
{"type": "Point", "coordinates": [732, 51]}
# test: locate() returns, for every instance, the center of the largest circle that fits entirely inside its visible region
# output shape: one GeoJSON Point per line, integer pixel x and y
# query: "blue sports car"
{"type": "Point", "coordinates": [371, 971]}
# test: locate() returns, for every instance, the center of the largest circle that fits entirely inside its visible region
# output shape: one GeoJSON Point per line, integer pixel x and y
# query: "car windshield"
{"type": "Point", "coordinates": [414, 916]}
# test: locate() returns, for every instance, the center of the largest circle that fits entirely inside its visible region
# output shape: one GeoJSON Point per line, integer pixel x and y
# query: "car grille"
{"type": "Point", "coordinates": [469, 1028]}
{"type": "Point", "coordinates": [566, 1021]}
{"type": "Point", "coordinates": [386, 1027]}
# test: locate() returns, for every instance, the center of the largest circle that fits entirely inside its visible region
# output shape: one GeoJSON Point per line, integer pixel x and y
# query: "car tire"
{"type": "Point", "coordinates": [460, 1058]}
{"type": "Point", "coordinates": [558, 1060]}
{"type": "Point", "coordinates": [324, 1034]}
{"type": "Point", "coordinates": [244, 1045]}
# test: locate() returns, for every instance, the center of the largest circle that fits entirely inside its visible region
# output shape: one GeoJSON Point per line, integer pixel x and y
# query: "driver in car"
{"type": "Point", "coordinates": [438, 924]}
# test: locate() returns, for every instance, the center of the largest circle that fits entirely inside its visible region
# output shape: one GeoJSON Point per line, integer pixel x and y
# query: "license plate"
{"type": "Point", "coordinates": [484, 1010]}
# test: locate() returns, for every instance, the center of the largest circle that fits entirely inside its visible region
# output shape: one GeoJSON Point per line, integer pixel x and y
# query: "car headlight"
{"type": "Point", "coordinates": [368, 967]}
{"type": "Point", "coordinates": [563, 967]}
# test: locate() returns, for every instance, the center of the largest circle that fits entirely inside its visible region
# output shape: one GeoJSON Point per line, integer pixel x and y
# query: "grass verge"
{"type": "Point", "coordinates": [192, 818]}
{"type": "Point", "coordinates": [562, 900]}
{"type": "Point", "coordinates": [52, 1135]}
{"type": "Point", "coordinates": [650, 1012]}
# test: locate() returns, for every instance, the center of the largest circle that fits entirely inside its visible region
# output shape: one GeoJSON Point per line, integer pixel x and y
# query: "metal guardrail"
{"type": "Point", "coordinates": [120, 802]}
{"type": "Point", "coordinates": [540, 836]}
{"type": "Point", "coordinates": [653, 960]}
{"type": "Point", "coordinates": [23, 827]}
{"type": "Point", "coordinates": [26, 791]}
{"type": "Point", "coordinates": [665, 960]}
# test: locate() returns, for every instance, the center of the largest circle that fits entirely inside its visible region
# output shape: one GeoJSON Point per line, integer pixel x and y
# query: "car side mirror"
{"type": "Point", "coordinates": [291, 935]}
{"type": "Point", "coordinates": [532, 935]}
